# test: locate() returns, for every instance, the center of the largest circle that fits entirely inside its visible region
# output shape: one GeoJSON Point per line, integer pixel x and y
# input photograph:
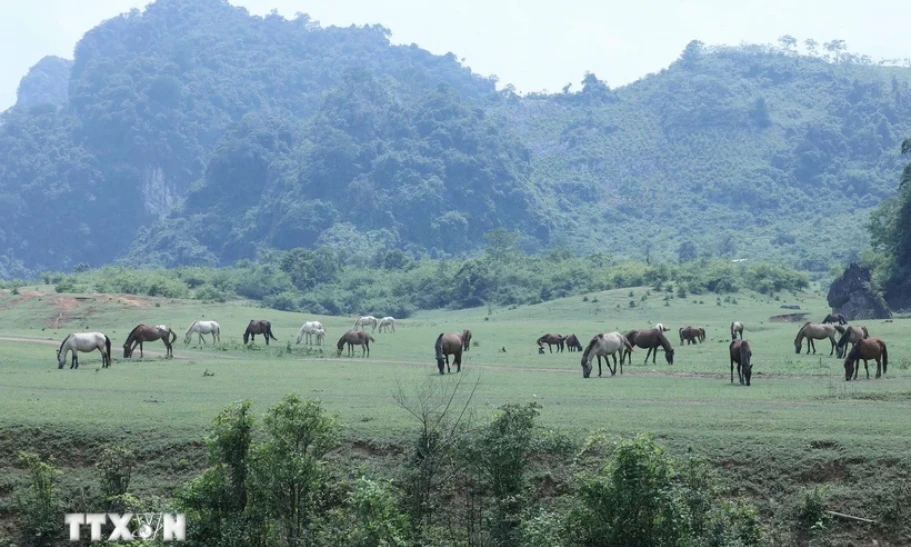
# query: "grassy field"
{"type": "Point", "coordinates": [799, 423]}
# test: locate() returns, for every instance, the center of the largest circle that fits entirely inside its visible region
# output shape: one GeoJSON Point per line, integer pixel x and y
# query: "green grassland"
{"type": "Point", "coordinates": [799, 423]}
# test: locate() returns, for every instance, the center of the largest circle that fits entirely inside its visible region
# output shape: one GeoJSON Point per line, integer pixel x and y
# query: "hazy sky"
{"type": "Point", "coordinates": [533, 44]}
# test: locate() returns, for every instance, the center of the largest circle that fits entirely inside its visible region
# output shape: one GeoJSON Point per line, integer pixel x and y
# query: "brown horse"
{"type": "Point", "coordinates": [849, 335]}
{"type": "Point", "coordinates": [627, 354]}
{"type": "Point", "coordinates": [867, 348]}
{"type": "Point", "coordinates": [742, 354]}
{"type": "Point", "coordinates": [355, 338]}
{"type": "Point", "coordinates": [691, 335]}
{"type": "Point", "coordinates": [814, 331]}
{"type": "Point", "coordinates": [650, 339]}
{"type": "Point", "coordinates": [835, 318]}
{"type": "Point", "coordinates": [259, 327]}
{"type": "Point", "coordinates": [736, 327]}
{"type": "Point", "coordinates": [449, 344]}
{"type": "Point", "coordinates": [466, 339]}
{"type": "Point", "coordinates": [551, 340]}
{"type": "Point", "coordinates": [573, 344]}
{"type": "Point", "coordinates": [149, 333]}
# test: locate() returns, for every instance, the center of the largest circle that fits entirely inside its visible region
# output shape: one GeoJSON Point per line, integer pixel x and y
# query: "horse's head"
{"type": "Point", "coordinates": [246, 335]}
{"type": "Point", "coordinates": [849, 368]}
{"type": "Point", "coordinates": [127, 351]}
{"type": "Point", "coordinates": [586, 367]}
{"type": "Point", "coordinates": [669, 355]}
{"type": "Point", "coordinates": [441, 363]}
{"type": "Point", "coordinates": [60, 359]}
{"type": "Point", "coordinates": [797, 345]}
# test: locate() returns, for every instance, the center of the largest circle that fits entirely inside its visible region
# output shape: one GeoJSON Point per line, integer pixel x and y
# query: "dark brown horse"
{"type": "Point", "coordinates": [446, 345]}
{"type": "Point", "coordinates": [691, 335]}
{"type": "Point", "coordinates": [650, 339]}
{"type": "Point", "coordinates": [149, 333]}
{"type": "Point", "coordinates": [551, 340]}
{"type": "Point", "coordinates": [259, 327]}
{"type": "Point", "coordinates": [835, 318]}
{"type": "Point", "coordinates": [868, 348]}
{"type": "Point", "coordinates": [849, 335]}
{"type": "Point", "coordinates": [573, 344]}
{"type": "Point", "coordinates": [742, 354]}
{"type": "Point", "coordinates": [355, 338]}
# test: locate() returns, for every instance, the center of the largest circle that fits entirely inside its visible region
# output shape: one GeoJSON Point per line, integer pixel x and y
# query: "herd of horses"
{"type": "Point", "coordinates": [609, 345]}
{"type": "Point", "coordinates": [312, 331]}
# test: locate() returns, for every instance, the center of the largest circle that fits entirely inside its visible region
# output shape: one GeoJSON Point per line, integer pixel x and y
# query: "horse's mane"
{"type": "Point", "coordinates": [132, 332]}
{"type": "Point", "coordinates": [64, 342]}
{"type": "Point", "coordinates": [595, 339]}
{"type": "Point", "coordinates": [191, 326]}
{"type": "Point", "coordinates": [665, 343]}
{"type": "Point", "coordinates": [341, 341]}
{"type": "Point", "coordinates": [438, 346]}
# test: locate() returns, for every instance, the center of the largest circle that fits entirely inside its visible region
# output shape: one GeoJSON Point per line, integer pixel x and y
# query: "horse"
{"type": "Point", "coordinates": [320, 335]}
{"type": "Point", "coordinates": [355, 338]}
{"type": "Point", "coordinates": [149, 333]}
{"type": "Point", "coordinates": [849, 335]}
{"type": "Point", "coordinates": [309, 329]}
{"type": "Point", "coordinates": [551, 340]}
{"type": "Point", "coordinates": [466, 339]}
{"type": "Point", "coordinates": [661, 327]}
{"type": "Point", "coordinates": [84, 342]}
{"type": "Point", "coordinates": [631, 336]}
{"type": "Point", "coordinates": [260, 326]}
{"type": "Point", "coordinates": [867, 348]}
{"type": "Point", "coordinates": [204, 327]}
{"type": "Point", "coordinates": [814, 331]}
{"type": "Point", "coordinates": [650, 339]}
{"type": "Point", "coordinates": [742, 354]}
{"type": "Point", "coordinates": [387, 323]}
{"type": "Point", "coordinates": [692, 335]}
{"type": "Point", "coordinates": [701, 334]}
{"type": "Point", "coordinates": [450, 344]}
{"type": "Point", "coordinates": [605, 344]}
{"type": "Point", "coordinates": [364, 321]}
{"type": "Point", "coordinates": [736, 327]}
{"type": "Point", "coordinates": [835, 318]}
{"type": "Point", "coordinates": [572, 343]}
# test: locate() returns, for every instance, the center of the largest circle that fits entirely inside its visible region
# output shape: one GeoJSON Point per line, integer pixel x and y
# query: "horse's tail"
{"type": "Point", "coordinates": [866, 332]}
{"type": "Point", "coordinates": [269, 332]}
{"type": "Point", "coordinates": [372, 339]}
{"type": "Point", "coordinates": [170, 333]}
{"type": "Point", "coordinates": [438, 346]}
{"type": "Point", "coordinates": [107, 345]}
{"type": "Point", "coordinates": [885, 356]}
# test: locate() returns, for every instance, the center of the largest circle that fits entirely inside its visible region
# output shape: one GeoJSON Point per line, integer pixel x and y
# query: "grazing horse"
{"type": "Point", "coordinates": [736, 327]}
{"type": "Point", "coordinates": [867, 348]}
{"type": "Point", "coordinates": [692, 335]}
{"type": "Point", "coordinates": [466, 339]}
{"type": "Point", "coordinates": [320, 335]}
{"type": "Point", "coordinates": [309, 329]}
{"type": "Point", "coordinates": [835, 318]}
{"type": "Point", "coordinates": [814, 331]}
{"type": "Point", "coordinates": [204, 327]}
{"type": "Point", "coordinates": [661, 327]}
{"type": "Point", "coordinates": [387, 323]}
{"type": "Point", "coordinates": [85, 342]}
{"type": "Point", "coordinates": [364, 321]}
{"type": "Point", "coordinates": [742, 354]}
{"type": "Point", "coordinates": [605, 344]}
{"type": "Point", "coordinates": [149, 333]}
{"type": "Point", "coordinates": [572, 343]}
{"type": "Point", "coordinates": [355, 338]}
{"type": "Point", "coordinates": [260, 326]}
{"type": "Point", "coordinates": [849, 335]}
{"type": "Point", "coordinates": [551, 340]}
{"type": "Point", "coordinates": [650, 339]}
{"type": "Point", "coordinates": [450, 344]}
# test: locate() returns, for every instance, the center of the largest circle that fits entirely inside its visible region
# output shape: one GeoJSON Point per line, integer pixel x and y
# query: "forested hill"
{"type": "Point", "coordinates": [192, 132]}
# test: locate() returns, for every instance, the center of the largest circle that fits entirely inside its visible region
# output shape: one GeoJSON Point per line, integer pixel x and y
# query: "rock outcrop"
{"type": "Point", "coordinates": [853, 296]}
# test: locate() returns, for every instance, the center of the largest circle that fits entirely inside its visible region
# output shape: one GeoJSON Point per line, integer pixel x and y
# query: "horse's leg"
{"type": "Point", "coordinates": [867, 369]}
{"type": "Point", "coordinates": [810, 344]}
{"type": "Point", "coordinates": [832, 340]}
{"type": "Point", "coordinates": [654, 354]}
{"type": "Point", "coordinates": [732, 370]}
{"type": "Point", "coordinates": [599, 366]}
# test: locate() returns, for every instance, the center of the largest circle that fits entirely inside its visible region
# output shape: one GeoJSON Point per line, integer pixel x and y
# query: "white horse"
{"type": "Point", "coordinates": [320, 335]}
{"type": "Point", "coordinates": [387, 323]}
{"type": "Point", "coordinates": [310, 328]}
{"type": "Point", "coordinates": [605, 345]}
{"type": "Point", "coordinates": [364, 321]}
{"type": "Point", "coordinates": [661, 327]}
{"type": "Point", "coordinates": [85, 342]}
{"type": "Point", "coordinates": [204, 327]}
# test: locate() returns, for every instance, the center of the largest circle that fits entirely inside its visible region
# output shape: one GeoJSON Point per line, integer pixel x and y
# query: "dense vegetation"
{"type": "Point", "coordinates": [391, 283]}
{"type": "Point", "coordinates": [279, 481]}
{"type": "Point", "coordinates": [193, 133]}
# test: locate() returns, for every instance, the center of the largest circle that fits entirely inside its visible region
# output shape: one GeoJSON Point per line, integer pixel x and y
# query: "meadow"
{"type": "Point", "coordinates": [799, 423]}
